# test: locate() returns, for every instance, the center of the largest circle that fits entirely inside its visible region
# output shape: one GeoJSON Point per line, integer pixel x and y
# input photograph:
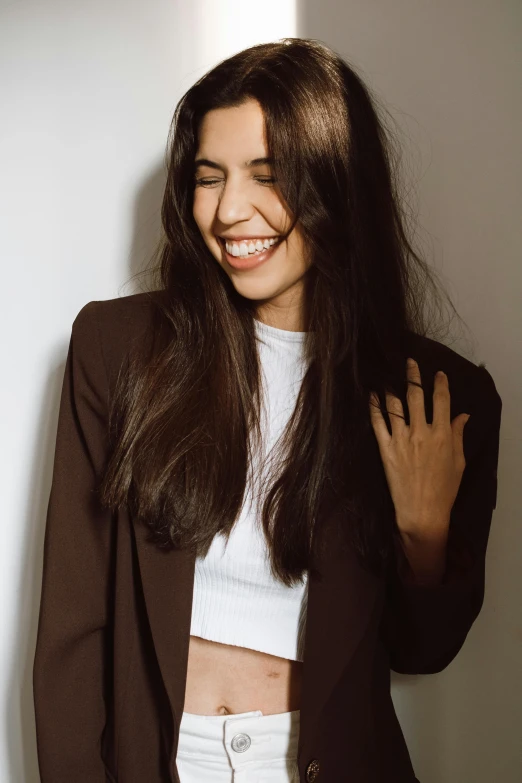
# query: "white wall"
{"type": "Point", "coordinates": [87, 94]}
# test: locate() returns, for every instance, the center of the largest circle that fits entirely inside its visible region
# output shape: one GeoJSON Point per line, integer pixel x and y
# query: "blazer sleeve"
{"type": "Point", "coordinates": [68, 669]}
{"type": "Point", "coordinates": [424, 627]}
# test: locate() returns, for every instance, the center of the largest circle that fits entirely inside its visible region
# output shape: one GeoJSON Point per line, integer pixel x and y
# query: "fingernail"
{"type": "Point", "coordinates": [411, 362]}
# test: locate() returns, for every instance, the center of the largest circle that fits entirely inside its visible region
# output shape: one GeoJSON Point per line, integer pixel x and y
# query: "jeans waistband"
{"type": "Point", "coordinates": [245, 736]}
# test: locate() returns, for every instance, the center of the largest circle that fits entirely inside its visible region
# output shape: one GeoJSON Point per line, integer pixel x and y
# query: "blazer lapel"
{"type": "Point", "coordinates": [168, 584]}
{"type": "Point", "coordinates": [340, 606]}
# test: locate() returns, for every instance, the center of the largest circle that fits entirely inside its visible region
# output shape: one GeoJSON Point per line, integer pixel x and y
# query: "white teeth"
{"type": "Point", "coordinates": [253, 246]}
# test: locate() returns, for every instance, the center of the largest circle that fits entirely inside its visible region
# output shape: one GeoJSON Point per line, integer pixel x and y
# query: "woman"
{"type": "Point", "coordinates": [257, 507]}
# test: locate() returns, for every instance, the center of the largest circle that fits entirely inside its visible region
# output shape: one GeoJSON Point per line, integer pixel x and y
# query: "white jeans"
{"type": "Point", "coordinates": [247, 747]}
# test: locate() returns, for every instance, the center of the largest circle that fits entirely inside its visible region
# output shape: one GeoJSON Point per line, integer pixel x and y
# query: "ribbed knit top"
{"type": "Point", "coordinates": [236, 599]}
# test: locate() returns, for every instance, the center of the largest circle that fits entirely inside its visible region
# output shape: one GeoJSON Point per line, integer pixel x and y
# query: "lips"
{"type": "Point", "coordinates": [250, 261]}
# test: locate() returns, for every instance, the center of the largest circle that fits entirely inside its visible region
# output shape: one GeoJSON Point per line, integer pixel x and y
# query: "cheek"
{"type": "Point", "coordinates": [302, 251]}
{"type": "Point", "coordinates": [197, 214]}
{"type": "Point", "coordinates": [296, 247]}
{"type": "Point", "coordinates": [202, 211]}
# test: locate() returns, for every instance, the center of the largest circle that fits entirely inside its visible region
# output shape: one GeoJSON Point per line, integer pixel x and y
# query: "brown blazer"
{"type": "Point", "coordinates": [112, 646]}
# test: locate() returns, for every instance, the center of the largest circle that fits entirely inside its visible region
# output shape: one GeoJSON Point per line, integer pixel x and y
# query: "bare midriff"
{"type": "Point", "coordinates": [223, 679]}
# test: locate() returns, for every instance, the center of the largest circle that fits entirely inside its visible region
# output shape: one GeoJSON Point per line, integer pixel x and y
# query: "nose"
{"type": "Point", "coordinates": [235, 203]}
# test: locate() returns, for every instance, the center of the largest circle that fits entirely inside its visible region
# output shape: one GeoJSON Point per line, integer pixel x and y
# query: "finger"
{"type": "Point", "coordinates": [441, 401]}
{"type": "Point", "coordinates": [378, 422]}
{"type": "Point", "coordinates": [457, 427]}
{"type": "Point", "coordinates": [415, 395]}
{"type": "Point", "coordinates": [396, 413]}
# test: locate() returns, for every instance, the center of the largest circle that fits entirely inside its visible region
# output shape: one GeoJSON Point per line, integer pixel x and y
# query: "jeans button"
{"type": "Point", "coordinates": [240, 742]}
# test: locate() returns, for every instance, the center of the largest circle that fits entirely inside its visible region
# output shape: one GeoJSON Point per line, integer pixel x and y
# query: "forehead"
{"type": "Point", "coordinates": [233, 136]}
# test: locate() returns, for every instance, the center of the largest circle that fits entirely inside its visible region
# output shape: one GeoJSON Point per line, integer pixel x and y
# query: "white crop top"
{"type": "Point", "coordinates": [236, 599]}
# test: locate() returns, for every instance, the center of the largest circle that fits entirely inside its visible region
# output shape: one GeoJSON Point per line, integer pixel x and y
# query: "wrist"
{"type": "Point", "coordinates": [426, 557]}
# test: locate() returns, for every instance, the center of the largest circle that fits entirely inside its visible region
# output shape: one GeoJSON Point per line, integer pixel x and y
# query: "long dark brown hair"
{"type": "Point", "coordinates": [185, 417]}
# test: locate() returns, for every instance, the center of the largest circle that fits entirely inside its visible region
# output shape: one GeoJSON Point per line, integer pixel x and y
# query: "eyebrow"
{"type": "Point", "coordinates": [246, 165]}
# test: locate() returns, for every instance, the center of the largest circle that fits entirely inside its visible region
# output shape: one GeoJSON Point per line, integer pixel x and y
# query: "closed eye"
{"type": "Point", "coordinates": [206, 181]}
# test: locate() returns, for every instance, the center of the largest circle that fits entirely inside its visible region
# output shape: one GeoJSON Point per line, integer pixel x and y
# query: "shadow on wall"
{"type": "Point", "coordinates": [451, 720]}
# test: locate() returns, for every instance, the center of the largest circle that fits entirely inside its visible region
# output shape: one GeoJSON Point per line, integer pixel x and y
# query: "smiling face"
{"type": "Point", "coordinates": [234, 199]}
